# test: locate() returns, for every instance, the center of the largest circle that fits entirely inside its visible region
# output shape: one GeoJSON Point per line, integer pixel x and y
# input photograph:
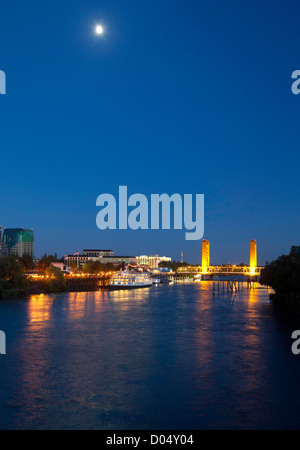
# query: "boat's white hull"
{"type": "Point", "coordinates": [115, 287]}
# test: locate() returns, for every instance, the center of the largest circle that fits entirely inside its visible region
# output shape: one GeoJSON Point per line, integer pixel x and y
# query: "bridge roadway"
{"type": "Point", "coordinates": [221, 271]}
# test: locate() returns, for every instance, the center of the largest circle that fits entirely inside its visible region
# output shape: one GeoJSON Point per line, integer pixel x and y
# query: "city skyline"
{"type": "Point", "coordinates": [21, 248]}
{"type": "Point", "coordinates": [177, 257]}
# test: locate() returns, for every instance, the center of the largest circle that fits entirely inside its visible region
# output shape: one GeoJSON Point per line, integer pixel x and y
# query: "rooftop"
{"type": "Point", "coordinates": [117, 256]}
{"type": "Point", "coordinates": [92, 250]}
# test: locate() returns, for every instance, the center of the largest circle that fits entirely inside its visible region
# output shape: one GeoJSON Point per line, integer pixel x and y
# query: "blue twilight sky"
{"type": "Point", "coordinates": [177, 96]}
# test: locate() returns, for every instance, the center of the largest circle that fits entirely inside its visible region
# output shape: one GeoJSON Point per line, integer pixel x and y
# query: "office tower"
{"type": "Point", "coordinates": [18, 242]}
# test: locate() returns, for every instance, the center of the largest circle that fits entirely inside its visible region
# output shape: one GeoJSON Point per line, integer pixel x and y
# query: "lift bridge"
{"type": "Point", "coordinates": [225, 278]}
{"type": "Point", "coordinates": [210, 272]}
{"type": "Point", "coordinates": [221, 271]}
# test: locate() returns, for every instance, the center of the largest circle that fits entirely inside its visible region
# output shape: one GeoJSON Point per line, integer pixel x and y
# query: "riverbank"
{"type": "Point", "coordinates": [37, 287]}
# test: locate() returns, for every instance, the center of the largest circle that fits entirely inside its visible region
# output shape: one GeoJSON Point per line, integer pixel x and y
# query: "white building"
{"type": "Point", "coordinates": [152, 261]}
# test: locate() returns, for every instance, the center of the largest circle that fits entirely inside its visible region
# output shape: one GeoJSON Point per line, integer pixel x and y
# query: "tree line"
{"type": "Point", "coordinates": [283, 276]}
{"type": "Point", "coordinates": [13, 269]}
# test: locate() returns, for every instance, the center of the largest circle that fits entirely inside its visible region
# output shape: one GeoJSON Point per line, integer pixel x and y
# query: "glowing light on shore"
{"type": "Point", "coordinates": [252, 271]}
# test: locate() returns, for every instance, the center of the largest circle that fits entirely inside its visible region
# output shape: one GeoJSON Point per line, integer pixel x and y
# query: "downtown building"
{"type": "Point", "coordinates": [102, 256]}
{"type": "Point", "coordinates": [17, 242]}
{"type": "Point", "coordinates": [153, 261]}
{"type": "Point", "coordinates": [108, 257]}
{"type": "Point", "coordinates": [87, 256]}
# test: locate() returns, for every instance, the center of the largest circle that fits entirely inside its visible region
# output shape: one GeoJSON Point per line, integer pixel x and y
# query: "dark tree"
{"type": "Point", "coordinates": [283, 275]}
{"type": "Point", "coordinates": [173, 265]}
{"type": "Point", "coordinates": [46, 261]}
{"type": "Point", "coordinates": [27, 262]}
{"type": "Point", "coordinates": [12, 279]}
{"type": "Point", "coordinates": [95, 267]}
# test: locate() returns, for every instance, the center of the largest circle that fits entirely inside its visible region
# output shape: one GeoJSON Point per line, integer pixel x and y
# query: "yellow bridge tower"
{"type": "Point", "coordinates": [253, 257]}
{"type": "Point", "coordinates": [205, 256]}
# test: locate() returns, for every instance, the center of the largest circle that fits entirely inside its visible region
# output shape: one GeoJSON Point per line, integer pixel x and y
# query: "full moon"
{"type": "Point", "coordinates": [99, 29]}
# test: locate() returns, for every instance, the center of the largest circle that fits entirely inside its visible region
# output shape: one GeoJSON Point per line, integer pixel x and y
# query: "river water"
{"type": "Point", "coordinates": [169, 357]}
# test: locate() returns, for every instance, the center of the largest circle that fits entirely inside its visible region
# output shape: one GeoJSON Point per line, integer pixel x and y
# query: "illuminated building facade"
{"type": "Point", "coordinates": [152, 261]}
{"type": "Point", "coordinates": [205, 255]}
{"type": "Point", "coordinates": [143, 260]}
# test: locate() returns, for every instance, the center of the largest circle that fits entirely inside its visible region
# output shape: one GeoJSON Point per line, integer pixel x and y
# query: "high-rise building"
{"type": "Point", "coordinates": [17, 241]}
{"type": "Point", "coordinates": [253, 256]}
{"type": "Point", "coordinates": [205, 255]}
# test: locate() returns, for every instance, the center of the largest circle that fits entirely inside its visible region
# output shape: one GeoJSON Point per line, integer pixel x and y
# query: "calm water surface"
{"type": "Point", "coordinates": [169, 357]}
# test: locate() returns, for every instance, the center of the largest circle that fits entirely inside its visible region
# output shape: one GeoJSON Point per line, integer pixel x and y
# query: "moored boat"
{"type": "Point", "coordinates": [130, 280]}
